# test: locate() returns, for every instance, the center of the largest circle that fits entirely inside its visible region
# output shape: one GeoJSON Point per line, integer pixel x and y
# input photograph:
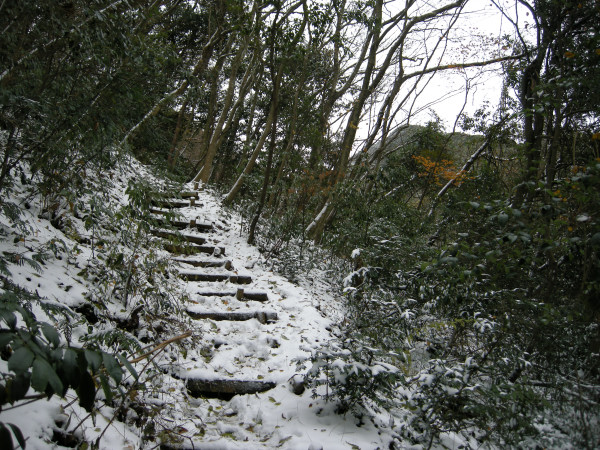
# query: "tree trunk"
{"type": "Point", "coordinates": [265, 186]}
{"type": "Point", "coordinates": [316, 227]}
{"type": "Point", "coordinates": [172, 156]}
{"type": "Point", "coordinates": [252, 160]}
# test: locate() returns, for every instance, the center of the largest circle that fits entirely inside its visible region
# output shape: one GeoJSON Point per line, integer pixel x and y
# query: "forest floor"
{"type": "Point", "coordinates": [273, 348]}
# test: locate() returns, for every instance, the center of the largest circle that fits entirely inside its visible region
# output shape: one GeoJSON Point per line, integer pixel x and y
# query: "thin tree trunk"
{"type": "Point", "coordinates": [252, 160]}
{"type": "Point", "coordinates": [553, 148]}
{"type": "Point", "coordinates": [228, 112]}
{"type": "Point", "coordinates": [276, 76]}
{"type": "Point", "coordinates": [265, 186]}
{"type": "Point", "coordinates": [172, 156]}
{"type": "Point", "coordinates": [317, 226]}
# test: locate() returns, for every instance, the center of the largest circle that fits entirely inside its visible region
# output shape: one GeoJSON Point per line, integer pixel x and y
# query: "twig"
{"type": "Point", "coordinates": [32, 399]}
{"type": "Point", "coordinates": [161, 346]}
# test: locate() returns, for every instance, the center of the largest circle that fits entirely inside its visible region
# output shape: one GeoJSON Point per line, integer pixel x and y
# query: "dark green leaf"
{"type": "Point", "coordinates": [51, 334]}
{"type": "Point", "coordinates": [43, 374]}
{"type": "Point", "coordinates": [129, 366]}
{"type": "Point", "coordinates": [6, 338]}
{"type": "Point", "coordinates": [70, 367]}
{"type": "Point", "coordinates": [39, 375]}
{"type": "Point", "coordinates": [93, 359]}
{"type": "Point", "coordinates": [9, 318]}
{"type": "Point", "coordinates": [17, 432]}
{"type": "Point", "coordinates": [86, 391]}
{"type": "Point", "coordinates": [112, 366]}
{"type": "Point", "coordinates": [5, 437]}
{"type": "Point", "coordinates": [106, 388]}
{"type": "Point", "coordinates": [18, 387]}
{"type": "Point", "coordinates": [55, 382]}
{"type": "Point", "coordinates": [20, 361]}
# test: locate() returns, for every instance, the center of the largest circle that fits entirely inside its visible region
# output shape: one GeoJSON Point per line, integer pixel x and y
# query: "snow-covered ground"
{"type": "Point", "coordinates": [277, 351]}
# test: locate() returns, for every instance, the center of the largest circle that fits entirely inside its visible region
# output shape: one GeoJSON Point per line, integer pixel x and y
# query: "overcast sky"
{"type": "Point", "coordinates": [445, 95]}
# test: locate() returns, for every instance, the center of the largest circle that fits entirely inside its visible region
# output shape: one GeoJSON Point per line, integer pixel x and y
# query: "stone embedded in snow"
{"type": "Point", "coordinates": [297, 384]}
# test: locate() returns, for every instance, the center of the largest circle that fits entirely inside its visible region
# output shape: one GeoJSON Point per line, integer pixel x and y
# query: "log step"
{"type": "Point", "coordinates": [225, 263]}
{"type": "Point", "coordinates": [240, 294]}
{"type": "Point", "coordinates": [239, 279]}
{"type": "Point", "coordinates": [226, 389]}
{"type": "Point", "coordinates": [174, 203]}
{"type": "Point", "coordinates": [193, 249]}
{"type": "Point", "coordinates": [176, 236]}
{"type": "Point", "coordinates": [163, 212]}
{"type": "Point", "coordinates": [189, 194]}
{"type": "Point", "coordinates": [182, 224]}
{"type": "Point", "coordinates": [262, 316]}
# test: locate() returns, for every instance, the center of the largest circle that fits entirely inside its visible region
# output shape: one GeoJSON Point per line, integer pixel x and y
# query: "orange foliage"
{"type": "Point", "coordinates": [441, 171]}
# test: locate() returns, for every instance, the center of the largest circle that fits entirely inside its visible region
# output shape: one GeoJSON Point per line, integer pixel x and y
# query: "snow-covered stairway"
{"type": "Point", "coordinates": [230, 378]}
{"type": "Point", "coordinates": [216, 288]}
{"type": "Point", "coordinates": [243, 383]}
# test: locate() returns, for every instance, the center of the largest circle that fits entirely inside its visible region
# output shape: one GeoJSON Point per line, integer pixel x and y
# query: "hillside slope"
{"type": "Point", "coordinates": [101, 277]}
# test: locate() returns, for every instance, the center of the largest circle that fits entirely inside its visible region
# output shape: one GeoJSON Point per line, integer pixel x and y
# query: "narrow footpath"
{"type": "Point", "coordinates": [259, 332]}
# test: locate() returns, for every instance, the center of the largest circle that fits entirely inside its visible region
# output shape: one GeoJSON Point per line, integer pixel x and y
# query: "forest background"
{"type": "Point", "coordinates": [475, 250]}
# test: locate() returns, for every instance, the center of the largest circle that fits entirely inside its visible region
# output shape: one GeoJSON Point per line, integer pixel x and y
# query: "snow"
{"type": "Point", "coordinates": [279, 351]}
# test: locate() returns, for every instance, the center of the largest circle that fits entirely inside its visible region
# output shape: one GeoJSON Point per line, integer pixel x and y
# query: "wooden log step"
{"type": "Point", "coordinates": [225, 263]}
{"type": "Point", "coordinates": [183, 237]}
{"type": "Point", "coordinates": [262, 316]}
{"type": "Point", "coordinates": [240, 294]}
{"type": "Point", "coordinates": [160, 211]}
{"type": "Point", "coordinates": [257, 296]}
{"type": "Point", "coordinates": [226, 389]}
{"type": "Point", "coordinates": [189, 194]}
{"type": "Point", "coordinates": [183, 224]}
{"type": "Point", "coordinates": [193, 249]}
{"type": "Point", "coordinates": [233, 278]}
{"type": "Point", "coordinates": [173, 203]}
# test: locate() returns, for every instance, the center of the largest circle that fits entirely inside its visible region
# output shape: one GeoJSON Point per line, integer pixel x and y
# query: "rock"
{"type": "Point", "coordinates": [297, 384]}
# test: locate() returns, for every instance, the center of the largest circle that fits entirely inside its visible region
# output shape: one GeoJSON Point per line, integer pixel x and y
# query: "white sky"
{"type": "Point", "coordinates": [445, 95]}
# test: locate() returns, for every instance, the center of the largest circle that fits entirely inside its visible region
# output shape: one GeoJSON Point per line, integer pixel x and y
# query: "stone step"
{"type": "Point", "coordinates": [235, 316]}
{"type": "Point", "coordinates": [232, 278]}
{"type": "Point", "coordinates": [240, 294]}
{"type": "Point", "coordinates": [225, 263]}
{"type": "Point", "coordinates": [178, 236]}
{"type": "Point", "coordinates": [226, 389]}
{"type": "Point", "coordinates": [193, 249]}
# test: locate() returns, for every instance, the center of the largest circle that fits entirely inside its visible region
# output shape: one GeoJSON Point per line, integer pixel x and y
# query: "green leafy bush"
{"type": "Point", "coordinates": [39, 359]}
